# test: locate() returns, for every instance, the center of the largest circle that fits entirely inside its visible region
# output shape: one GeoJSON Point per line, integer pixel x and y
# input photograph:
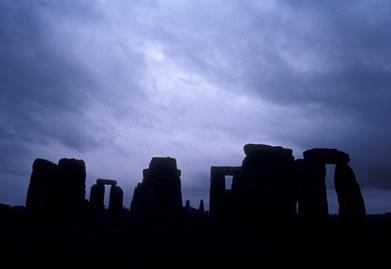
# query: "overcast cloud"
{"type": "Point", "coordinates": [117, 82]}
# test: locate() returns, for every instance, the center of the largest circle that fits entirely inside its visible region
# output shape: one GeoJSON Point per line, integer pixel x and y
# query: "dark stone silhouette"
{"type": "Point", "coordinates": [160, 190]}
{"type": "Point", "coordinates": [57, 189]}
{"type": "Point", "coordinates": [201, 207]}
{"type": "Point", "coordinates": [263, 185]}
{"type": "Point", "coordinates": [187, 203]}
{"type": "Point", "coordinates": [218, 196]}
{"type": "Point", "coordinates": [98, 192]}
{"type": "Point", "coordinates": [350, 200]}
{"type": "Point", "coordinates": [324, 155]}
{"type": "Point", "coordinates": [266, 182]}
{"type": "Point", "coordinates": [41, 192]}
{"type": "Point", "coordinates": [72, 177]}
{"type": "Point", "coordinates": [116, 199]}
{"type": "Point", "coordinates": [97, 196]}
{"type": "Point", "coordinates": [312, 195]}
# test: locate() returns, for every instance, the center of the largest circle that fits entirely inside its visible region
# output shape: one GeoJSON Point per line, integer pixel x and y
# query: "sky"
{"type": "Point", "coordinates": [117, 82]}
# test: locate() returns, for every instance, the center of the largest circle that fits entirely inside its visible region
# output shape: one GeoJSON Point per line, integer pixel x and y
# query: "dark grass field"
{"type": "Point", "coordinates": [184, 243]}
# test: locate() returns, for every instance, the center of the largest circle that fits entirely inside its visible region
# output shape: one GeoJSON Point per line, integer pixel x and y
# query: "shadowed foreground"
{"type": "Point", "coordinates": [139, 243]}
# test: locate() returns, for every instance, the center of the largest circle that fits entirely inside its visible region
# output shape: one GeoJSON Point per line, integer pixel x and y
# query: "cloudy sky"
{"type": "Point", "coordinates": [117, 82]}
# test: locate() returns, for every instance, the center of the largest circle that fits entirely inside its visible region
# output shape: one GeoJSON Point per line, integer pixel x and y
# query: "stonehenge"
{"type": "Point", "coordinates": [269, 183]}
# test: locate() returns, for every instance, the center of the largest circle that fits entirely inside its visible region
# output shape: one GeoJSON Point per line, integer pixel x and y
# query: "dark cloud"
{"type": "Point", "coordinates": [118, 82]}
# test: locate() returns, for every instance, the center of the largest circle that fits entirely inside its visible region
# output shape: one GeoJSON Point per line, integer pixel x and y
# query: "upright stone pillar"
{"type": "Point", "coordinates": [43, 181]}
{"type": "Point", "coordinates": [97, 196]}
{"type": "Point", "coordinates": [351, 202]}
{"type": "Point", "coordinates": [265, 185]}
{"type": "Point", "coordinates": [73, 181]}
{"type": "Point", "coordinates": [160, 191]}
{"type": "Point", "coordinates": [217, 192]}
{"type": "Point", "coordinates": [201, 207]}
{"type": "Point", "coordinates": [115, 199]}
{"type": "Point", "coordinates": [137, 200]}
{"type": "Point", "coordinates": [311, 192]}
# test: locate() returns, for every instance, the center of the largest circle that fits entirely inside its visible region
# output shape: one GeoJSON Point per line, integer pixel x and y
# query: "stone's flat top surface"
{"type": "Point", "coordinates": [326, 155]}
{"type": "Point", "coordinates": [72, 166]}
{"type": "Point", "coordinates": [228, 170]}
{"type": "Point", "coordinates": [71, 162]}
{"type": "Point", "coordinates": [163, 163]}
{"type": "Point", "coordinates": [105, 181]}
{"type": "Point", "coordinates": [42, 163]}
{"type": "Point", "coordinates": [255, 149]}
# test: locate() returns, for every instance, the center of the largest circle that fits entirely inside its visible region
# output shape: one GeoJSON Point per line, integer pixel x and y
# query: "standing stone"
{"type": "Point", "coordinates": [116, 199]}
{"type": "Point", "coordinates": [265, 184]}
{"type": "Point", "coordinates": [43, 181]}
{"type": "Point", "coordinates": [137, 201]}
{"type": "Point", "coordinates": [217, 192]}
{"type": "Point", "coordinates": [72, 174]}
{"type": "Point", "coordinates": [201, 207]}
{"type": "Point", "coordinates": [160, 190]}
{"type": "Point", "coordinates": [97, 196]}
{"type": "Point", "coordinates": [351, 202]}
{"type": "Point", "coordinates": [312, 195]}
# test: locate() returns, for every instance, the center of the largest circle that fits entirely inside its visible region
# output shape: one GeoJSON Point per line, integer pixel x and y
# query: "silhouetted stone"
{"type": "Point", "coordinates": [312, 195]}
{"type": "Point", "coordinates": [138, 199]}
{"type": "Point", "coordinates": [266, 182]}
{"type": "Point", "coordinates": [57, 188]}
{"type": "Point", "coordinates": [160, 190]}
{"type": "Point", "coordinates": [72, 176]}
{"type": "Point", "coordinates": [330, 156]}
{"type": "Point", "coordinates": [217, 191]}
{"type": "Point", "coordinates": [104, 181]}
{"type": "Point", "coordinates": [97, 196]}
{"type": "Point", "coordinates": [351, 202]}
{"type": "Point", "coordinates": [187, 203]}
{"type": "Point", "coordinates": [98, 192]}
{"type": "Point", "coordinates": [43, 184]}
{"type": "Point", "coordinates": [115, 199]}
{"type": "Point", "coordinates": [201, 207]}
{"type": "Point", "coordinates": [262, 149]}
{"type": "Point", "coordinates": [218, 196]}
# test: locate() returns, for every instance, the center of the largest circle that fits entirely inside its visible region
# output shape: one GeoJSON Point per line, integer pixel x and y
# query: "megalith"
{"type": "Point", "coordinates": [266, 183]}
{"type": "Point", "coordinates": [72, 176]}
{"type": "Point", "coordinates": [43, 181]}
{"type": "Point", "coordinates": [160, 190]}
{"type": "Point", "coordinates": [350, 200]}
{"type": "Point", "coordinates": [311, 188]}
